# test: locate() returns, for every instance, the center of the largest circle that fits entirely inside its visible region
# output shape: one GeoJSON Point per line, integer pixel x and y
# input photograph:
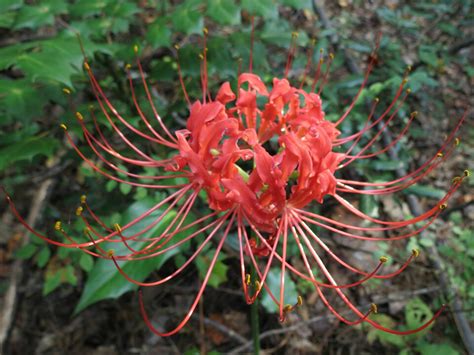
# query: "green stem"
{"type": "Point", "coordinates": [254, 321]}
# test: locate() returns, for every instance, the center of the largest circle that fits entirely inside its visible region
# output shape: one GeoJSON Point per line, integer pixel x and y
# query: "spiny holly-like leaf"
{"type": "Point", "coordinates": [264, 8]}
{"type": "Point", "coordinates": [223, 12]}
{"type": "Point", "coordinates": [39, 15]}
{"type": "Point", "coordinates": [26, 150]}
{"type": "Point", "coordinates": [187, 18]}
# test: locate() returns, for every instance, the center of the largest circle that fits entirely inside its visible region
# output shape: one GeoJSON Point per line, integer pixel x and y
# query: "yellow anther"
{"type": "Point", "coordinates": [214, 152]}
{"type": "Point", "coordinates": [258, 285]}
{"type": "Point", "coordinates": [443, 206]}
{"type": "Point", "coordinates": [58, 226]}
{"type": "Point", "coordinates": [66, 91]}
{"type": "Point", "coordinates": [83, 199]}
{"type": "Point", "coordinates": [79, 116]}
{"type": "Point", "coordinates": [110, 253]}
{"type": "Point", "coordinates": [86, 230]}
{"type": "Point", "coordinates": [467, 173]}
{"type": "Point", "coordinates": [321, 60]}
{"type": "Point", "coordinates": [205, 30]}
{"type": "Point", "coordinates": [201, 56]}
{"type": "Point", "coordinates": [128, 66]}
{"type": "Point", "coordinates": [373, 308]}
{"type": "Point", "coordinates": [79, 210]}
{"type": "Point", "coordinates": [456, 179]}
{"type": "Point", "coordinates": [299, 301]}
{"type": "Point", "coordinates": [86, 66]}
{"type": "Point", "coordinates": [404, 81]}
{"type": "Point", "coordinates": [176, 46]}
{"type": "Point", "coordinates": [414, 113]}
{"type": "Point", "coordinates": [331, 55]}
{"type": "Point", "coordinates": [457, 141]}
{"type": "Point", "coordinates": [247, 279]}
{"type": "Point", "coordinates": [415, 252]}
{"type": "Point", "coordinates": [313, 41]}
{"type": "Point", "coordinates": [440, 155]}
{"type": "Point", "coordinates": [294, 34]}
{"type": "Point", "coordinates": [409, 68]}
{"type": "Point", "coordinates": [117, 228]}
{"type": "Point", "coordinates": [287, 308]}
{"type": "Point", "coordinates": [377, 99]}
{"type": "Point", "coordinates": [383, 259]}
{"type": "Point", "coordinates": [321, 51]}
{"type": "Point", "coordinates": [240, 60]}
{"type": "Point", "coordinates": [63, 126]}
{"type": "Point", "coordinates": [408, 91]}
{"type": "Point", "coordinates": [135, 49]}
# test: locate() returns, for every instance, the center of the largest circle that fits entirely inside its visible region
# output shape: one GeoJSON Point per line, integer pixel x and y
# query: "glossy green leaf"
{"type": "Point", "coordinates": [105, 281]}
{"type": "Point", "coordinates": [223, 11]}
{"type": "Point", "coordinates": [273, 282]}
{"type": "Point", "coordinates": [264, 8]}
{"type": "Point", "coordinates": [26, 251]}
{"type": "Point", "coordinates": [219, 272]}
{"type": "Point", "coordinates": [86, 262]}
{"type": "Point", "coordinates": [43, 257]}
{"type": "Point", "coordinates": [27, 150]}
{"type": "Point", "coordinates": [159, 34]}
{"type": "Point", "coordinates": [187, 18]}
{"type": "Point", "coordinates": [39, 15]}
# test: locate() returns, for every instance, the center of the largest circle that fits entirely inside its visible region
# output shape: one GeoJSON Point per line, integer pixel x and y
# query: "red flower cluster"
{"type": "Point", "coordinates": [261, 156]}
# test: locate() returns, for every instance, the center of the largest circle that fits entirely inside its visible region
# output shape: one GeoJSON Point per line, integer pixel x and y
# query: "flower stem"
{"type": "Point", "coordinates": [254, 322]}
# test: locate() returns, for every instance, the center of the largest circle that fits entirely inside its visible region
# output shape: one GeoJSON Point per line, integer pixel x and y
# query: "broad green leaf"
{"type": "Point", "coordinates": [298, 4]}
{"type": "Point", "coordinates": [86, 8]}
{"type": "Point", "coordinates": [187, 18]}
{"type": "Point", "coordinates": [159, 34]}
{"type": "Point", "coordinates": [19, 100]}
{"type": "Point", "coordinates": [105, 281]}
{"type": "Point", "coordinates": [265, 8]}
{"type": "Point", "coordinates": [7, 18]}
{"type": "Point", "coordinates": [27, 150]}
{"type": "Point", "coordinates": [425, 191]}
{"type": "Point", "coordinates": [219, 272]}
{"type": "Point", "coordinates": [279, 32]}
{"type": "Point", "coordinates": [43, 257]}
{"type": "Point", "coordinates": [39, 15]}
{"type": "Point", "coordinates": [273, 282]}
{"type": "Point", "coordinates": [437, 349]}
{"type": "Point", "coordinates": [384, 337]}
{"type": "Point", "coordinates": [26, 251]}
{"type": "Point", "coordinates": [6, 5]}
{"type": "Point", "coordinates": [86, 262]}
{"type": "Point", "coordinates": [224, 12]}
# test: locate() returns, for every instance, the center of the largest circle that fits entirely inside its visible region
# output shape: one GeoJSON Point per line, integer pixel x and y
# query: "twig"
{"type": "Point", "coordinates": [391, 298]}
{"type": "Point", "coordinates": [223, 329]}
{"type": "Point", "coordinates": [415, 207]}
{"type": "Point", "coordinates": [16, 274]}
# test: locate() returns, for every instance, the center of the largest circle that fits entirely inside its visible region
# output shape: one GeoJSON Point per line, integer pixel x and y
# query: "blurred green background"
{"type": "Point", "coordinates": [59, 289]}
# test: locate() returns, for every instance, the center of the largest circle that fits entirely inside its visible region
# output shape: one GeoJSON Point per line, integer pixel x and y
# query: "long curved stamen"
{"type": "Point", "coordinates": [198, 296]}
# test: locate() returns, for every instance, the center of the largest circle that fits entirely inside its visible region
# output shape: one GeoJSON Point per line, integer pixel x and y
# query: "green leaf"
{"type": "Point", "coordinates": [26, 251]}
{"type": "Point", "coordinates": [278, 32]}
{"type": "Point", "coordinates": [125, 188]}
{"type": "Point", "coordinates": [52, 281]}
{"type": "Point", "coordinates": [417, 313]}
{"type": "Point", "coordinates": [425, 191]}
{"type": "Point", "coordinates": [224, 12]}
{"type": "Point", "coordinates": [19, 100]}
{"type": "Point", "coordinates": [437, 349]}
{"type": "Point", "coordinates": [273, 282]}
{"type": "Point", "coordinates": [385, 338]}
{"type": "Point", "coordinates": [298, 4]}
{"type": "Point", "coordinates": [159, 34]}
{"type": "Point", "coordinates": [27, 150]}
{"type": "Point", "coordinates": [187, 18]}
{"type": "Point", "coordinates": [43, 257]}
{"type": "Point", "coordinates": [86, 262]}
{"type": "Point", "coordinates": [6, 5]}
{"type": "Point", "coordinates": [39, 15]}
{"type": "Point", "coordinates": [219, 272]}
{"type": "Point", "coordinates": [105, 281]}
{"type": "Point", "coordinates": [264, 8]}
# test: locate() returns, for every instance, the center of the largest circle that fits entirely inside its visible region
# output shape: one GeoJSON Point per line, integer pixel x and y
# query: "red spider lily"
{"type": "Point", "coordinates": [260, 167]}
